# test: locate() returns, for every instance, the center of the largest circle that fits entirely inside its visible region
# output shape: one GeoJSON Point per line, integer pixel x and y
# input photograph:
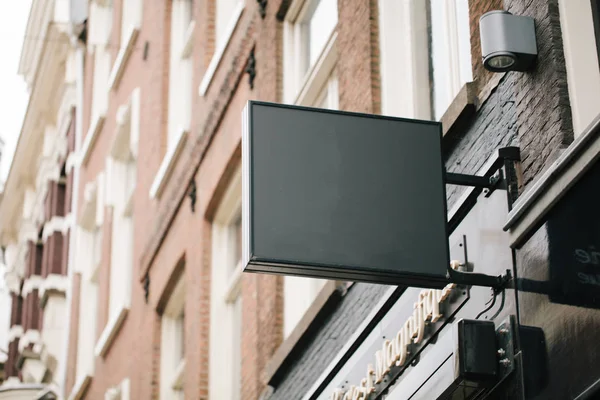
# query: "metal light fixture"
{"type": "Point", "coordinates": [507, 41]}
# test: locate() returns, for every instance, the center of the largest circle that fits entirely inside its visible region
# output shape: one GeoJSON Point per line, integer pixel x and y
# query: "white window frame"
{"type": "Point", "coordinates": [405, 58]}
{"type": "Point", "coordinates": [222, 42]}
{"type": "Point", "coordinates": [302, 82]}
{"type": "Point", "coordinates": [99, 40]}
{"type": "Point", "coordinates": [131, 22]}
{"type": "Point", "coordinates": [172, 369]}
{"type": "Point", "coordinates": [89, 237]}
{"type": "Point", "coordinates": [121, 170]}
{"type": "Point", "coordinates": [119, 392]}
{"type": "Point", "coordinates": [315, 86]}
{"type": "Point", "coordinates": [581, 57]}
{"type": "Point", "coordinates": [226, 301]}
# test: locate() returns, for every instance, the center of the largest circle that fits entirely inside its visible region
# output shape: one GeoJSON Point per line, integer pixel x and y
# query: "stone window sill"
{"type": "Point", "coordinates": [80, 387]}
{"type": "Point", "coordinates": [122, 58]}
{"type": "Point", "coordinates": [167, 166]}
{"type": "Point", "coordinates": [53, 284]}
{"type": "Point", "coordinates": [91, 136]}
{"type": "Point", "coordinates": [463, 105]}
{"type": "Point", "coordinates": [110, 332]}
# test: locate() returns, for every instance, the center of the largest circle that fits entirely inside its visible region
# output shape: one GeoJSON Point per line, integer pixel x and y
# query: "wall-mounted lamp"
{"type": "Point", "coordinates": [507, 41]}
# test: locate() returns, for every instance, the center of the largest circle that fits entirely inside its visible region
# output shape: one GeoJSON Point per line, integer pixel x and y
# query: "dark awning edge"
{"type": "Point", "coordinates": [531, 207]}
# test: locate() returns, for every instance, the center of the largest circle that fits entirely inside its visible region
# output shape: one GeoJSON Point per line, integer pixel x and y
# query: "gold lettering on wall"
{"type": "Point", "coordinates": [395, 352]}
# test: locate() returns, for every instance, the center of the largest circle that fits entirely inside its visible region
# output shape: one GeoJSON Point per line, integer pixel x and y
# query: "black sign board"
{"type": "Point", "coordinates": [339, 195]}
{"type": "Point", "coordinates": [573, 227]}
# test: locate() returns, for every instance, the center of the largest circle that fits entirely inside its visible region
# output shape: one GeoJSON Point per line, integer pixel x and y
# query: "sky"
{"type": "Point", "coordinates": [13, 103]}
{"type": "Point", "coordinates": [13, 91]}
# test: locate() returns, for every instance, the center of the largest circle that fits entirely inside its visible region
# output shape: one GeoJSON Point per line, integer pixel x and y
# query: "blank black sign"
{"type": "Point", "coordinates": [341, 195]}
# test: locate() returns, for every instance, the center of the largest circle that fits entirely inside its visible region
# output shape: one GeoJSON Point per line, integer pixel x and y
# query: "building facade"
{"type": "Point", "coordinates": [36, 208]}
{"type": "Point", "coordinates": [124, 243]}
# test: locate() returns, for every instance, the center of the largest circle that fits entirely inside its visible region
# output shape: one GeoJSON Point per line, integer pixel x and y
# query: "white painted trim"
{"type": "Point", "coordinates": [56, 224]}
{"type": "Point", "coordinates": [32, 336]}
{"type": "Point", "coordinates": [219, 51]}
{"type": "Point", "coordinates": [71, 162]}
{"type": "Point", "coordinates": [223, 325]}
{"type": "Point", "coordinates": [122, 58]}
{"type": "Point", "coordinates": [188, 42]}
{"type": "Point", "coordinates": [120, 146]}
{"type": "Point", "coordinates": [318, 75]}
{"type": "Point", "coordinates": [581, 59]}
{"type": "Point", "coordinates": [88, 213]}
{"type": "Point", "coordinates": [15, 332]}
{"type": "Point", "coordinates": [167, 165]}
{"type": "Point", "coordinates": [110, 331]}
{"type": "Point", "coordinates": [54, 282]}
{"type": "Point", "coordinates": [12, 281]}
{"type": "Point", "coordinates": [30, 284]}
{"type": "Point", "coordinates": [90, 138]}
{"type": "Point", "coordinates": [80, 387]}
{"type": "Point", "coordinates": [177, 381]}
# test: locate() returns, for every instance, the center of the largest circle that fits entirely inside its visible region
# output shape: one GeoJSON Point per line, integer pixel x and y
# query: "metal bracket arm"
{"type": "Point", "coordinates": [498, 283]}
{"type": "Point", "coordinates": [484, 182]}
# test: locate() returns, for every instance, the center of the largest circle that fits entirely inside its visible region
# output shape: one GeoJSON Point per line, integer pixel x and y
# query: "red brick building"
{"type": "Point", "coordinates": [158, 305]}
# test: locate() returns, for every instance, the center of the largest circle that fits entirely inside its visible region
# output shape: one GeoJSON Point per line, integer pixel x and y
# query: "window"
{"type": "Point", "coordinates": [88, 253]}
{"type": "Point", "coordinates": [580, 25]}
{"type": "Point", "coordinates": [180, 67]}
{"type": "Point", "coordinates": [309, 79]}
{"type": "Point", "coordinates": [121, 171]}
{"type": "Point", "coordinates": [99, 39]}
{"type": "Point", "coordinates": [226, 298]}
{"type": "Point", "coordinates": [172, 359]}
{"type": "Point", "coordinates": [121, 185]}
{"type": "Point", "coordinates": [225, 14]}
{"type": "Point", "coordinates": [450, 51]}
{"type": "Point", "coordinates": [131, 18]}
{"type": "Point", "coordinates": [309, 49]}
{"type": "Point", "coordinates": [425, 55]}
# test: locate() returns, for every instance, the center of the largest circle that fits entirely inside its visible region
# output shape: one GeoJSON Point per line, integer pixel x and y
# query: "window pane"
{"type": "Point", "coordinates": [450, 51]}
{"type": "Point", "coordinates": [321, 23]}
{"type": "Point", "coordinates": [464, 40]}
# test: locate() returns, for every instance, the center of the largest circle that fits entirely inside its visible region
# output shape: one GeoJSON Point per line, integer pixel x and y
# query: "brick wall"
{"type": "Point", "coordinates": [527, 109]}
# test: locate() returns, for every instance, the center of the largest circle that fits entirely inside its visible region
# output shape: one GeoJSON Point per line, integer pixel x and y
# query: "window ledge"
{"type": "Point", "coordinates": [188, 42]}
{"type": "Point", "coordinates": [463, 104]}
{"type": "Point", "coordinates": [91, 136]}
{"type": "Point", "coordinates": [110, 332]}
{"type": "Point", "coordinates": [57, 224]}
{"type": "Point", "coordinates": [167, 165]}
{"type": "Point", "coordinates": [330, 294]}
{"type": "Point", "coordinates": [80, 387]}
{"type": "Point", "coordinates": [177, 380]}
{"type": "Point", "coordinates": [216, 59]}
{"type": "Point", "coordinates": [317, 76]}
{"type": "Point", "coordinates": [53, 284]}
{"type": "Point", "coordinates": [122, 58]}
{"type": "Point", "coordinates": [34, 282]}
{"type": "Point", "coordinates": [15, 332]}
{"type": "Point", "coordinates": [31, 337]}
